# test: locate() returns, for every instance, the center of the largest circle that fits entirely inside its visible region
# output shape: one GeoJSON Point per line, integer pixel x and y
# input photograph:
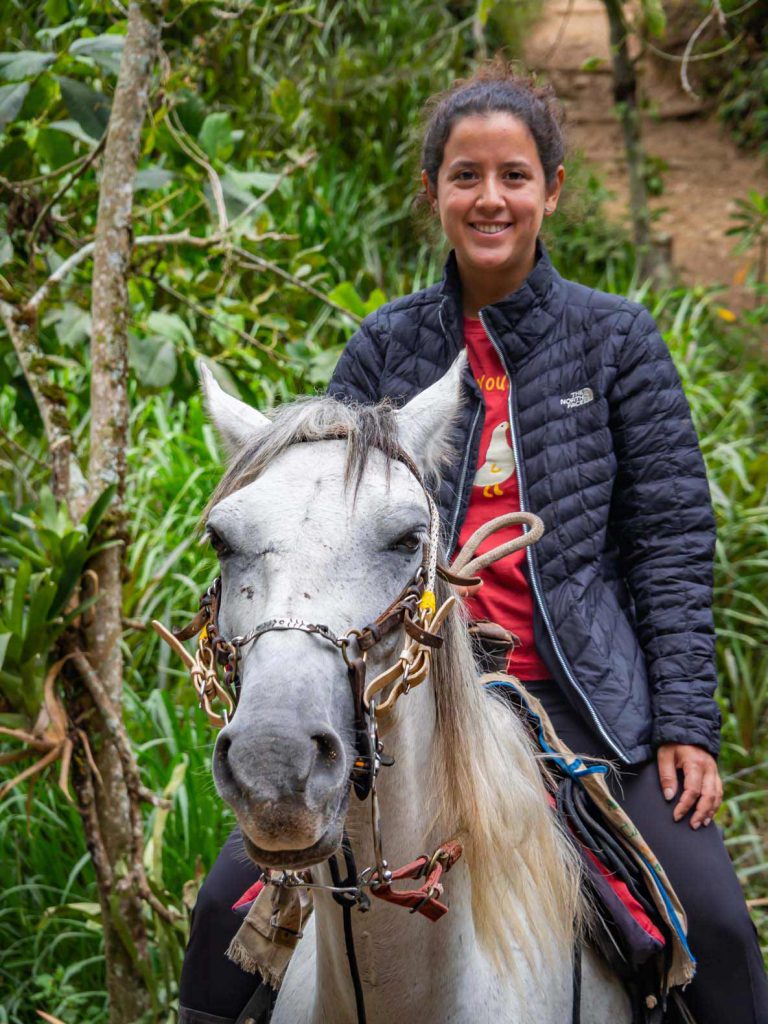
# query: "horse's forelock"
{"type": "Point", "coordinates": [365, 428]}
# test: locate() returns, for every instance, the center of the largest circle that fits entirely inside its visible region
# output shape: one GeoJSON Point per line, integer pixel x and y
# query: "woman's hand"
{"type": "Point", "coordinates": [701, 781]}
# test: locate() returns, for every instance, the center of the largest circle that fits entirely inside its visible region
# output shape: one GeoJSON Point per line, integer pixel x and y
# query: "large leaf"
{"type": "Point", "coordinates": [73, 325]}
{"type": "Point", "coordinates": [654, 16]}
{"type": "Point", "coordinates": [152, 178]}
{"type": "Point", "coordinates": [105, 50]}
{"type": "Point", "coordinates": [24, 64]}
{"type": "Point", "coordinates": [87, 106]}
{"type": "Point", "coordinates": [170, 325]}
{"type": "Point", "coordinates": [240, 185]}
{"type": "Point", "coordinates": [11, 99]}
{"type": "Point", "coordinates": [484, 10]}
{"type": "Point", "coordinates": [72, 128]}
{"type": "Point", "coordinates": [4, 638]}
{"type": "Point", "coordinates": [153, 853]}
{"type": "Point", "coordinates": [286, 101]}
{"type": "Point", "coordinates": [37, 634]}
{"type": "Point", "coordinates": [98, 509]}
{"type": "Point", "coordinates": [346, 296]}
{"type": "Point", "coordinates": [153, 360]}
{"type": "Point", "coordinates": [236, 196]}
{"type": "Point", "coordinates": [216, 136]}
{"type": "Point", "coordinates": [54, 148]}
{"type": "Point", "coordinates": [48, 34]}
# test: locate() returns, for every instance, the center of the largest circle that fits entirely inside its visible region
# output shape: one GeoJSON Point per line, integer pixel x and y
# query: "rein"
{"type": "Point", "coordinates": [414, 612]}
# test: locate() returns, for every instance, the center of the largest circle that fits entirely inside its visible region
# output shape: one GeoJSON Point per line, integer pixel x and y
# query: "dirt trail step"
{"type": "Point", "coordinates": [705, 171]}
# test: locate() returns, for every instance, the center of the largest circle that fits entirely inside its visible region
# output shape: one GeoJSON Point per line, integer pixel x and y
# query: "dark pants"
{"type": "Point", "coordinates": [213, 990]}
{"type": "Point", "coordinates": [730, 985]}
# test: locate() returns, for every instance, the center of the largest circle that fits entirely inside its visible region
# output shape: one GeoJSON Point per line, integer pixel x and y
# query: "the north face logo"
{"type": "Point", "coordinates": [577, 398]}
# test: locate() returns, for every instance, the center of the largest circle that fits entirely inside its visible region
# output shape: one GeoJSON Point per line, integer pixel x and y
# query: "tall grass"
{"type": "Point", "coordinates": [726, 379]}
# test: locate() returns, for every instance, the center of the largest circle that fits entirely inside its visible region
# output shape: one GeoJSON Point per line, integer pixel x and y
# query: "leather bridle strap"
{"type": "Point", "coordinates": [425, 899]}
{"type": "Point", "coordinates": [347, 902]}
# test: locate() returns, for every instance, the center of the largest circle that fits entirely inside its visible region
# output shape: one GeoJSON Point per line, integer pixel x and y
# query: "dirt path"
{"type": "Point", "coordinates": [705, 171]}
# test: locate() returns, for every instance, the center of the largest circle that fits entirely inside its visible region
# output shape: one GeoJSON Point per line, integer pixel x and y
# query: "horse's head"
{"type": "Point", "coordinates": [329, 531]}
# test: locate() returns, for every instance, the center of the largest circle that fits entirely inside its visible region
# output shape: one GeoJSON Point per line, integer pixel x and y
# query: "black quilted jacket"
{"type": "Point", "coordinates": [608, 457]}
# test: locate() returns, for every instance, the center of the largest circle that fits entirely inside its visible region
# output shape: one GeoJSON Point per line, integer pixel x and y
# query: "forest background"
{"type": "Point", "coordinates": [271, 210]}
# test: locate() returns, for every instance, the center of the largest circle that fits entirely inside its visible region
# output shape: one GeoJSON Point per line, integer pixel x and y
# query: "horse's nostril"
{"type": "Point", "coordinates": [221, 758]}
{"type": "Point", "coordinates": [223, 745]}
{"type": "Point", "coordinates": [328, 748]}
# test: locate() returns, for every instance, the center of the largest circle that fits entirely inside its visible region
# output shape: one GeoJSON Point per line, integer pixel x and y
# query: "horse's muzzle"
{"type": "Point", "coordinates": [288, 788]}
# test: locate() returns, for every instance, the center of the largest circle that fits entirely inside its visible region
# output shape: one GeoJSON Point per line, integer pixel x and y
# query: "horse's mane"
{"type": "Point", "coordinates": [486, 786]}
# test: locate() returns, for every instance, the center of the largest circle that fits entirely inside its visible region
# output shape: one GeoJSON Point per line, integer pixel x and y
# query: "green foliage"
{"type": "Point", "coordinates": [307, 115]}
{"type": "Point", "coordinates": [726, 381]}
{"type": "Point", "coordinates": [43, 554]}
{"type": "Point", "coordinates": [751, 228]}
{"type": "Point", "coordinates": [739, 79]}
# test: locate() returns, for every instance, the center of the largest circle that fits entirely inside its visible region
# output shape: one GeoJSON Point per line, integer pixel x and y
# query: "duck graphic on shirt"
{"type": "Point", "coordinates": [499, 464]}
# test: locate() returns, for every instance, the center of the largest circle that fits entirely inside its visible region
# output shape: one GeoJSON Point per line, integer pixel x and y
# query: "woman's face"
{"type": "Point", "coordinates": [492, 196]}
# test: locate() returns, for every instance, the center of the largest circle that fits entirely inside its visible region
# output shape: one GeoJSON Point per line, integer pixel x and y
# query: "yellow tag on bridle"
{"type": "Point", "coordinates": [428, 602]}
{"type": "Point", "coordinates": [204, 633]}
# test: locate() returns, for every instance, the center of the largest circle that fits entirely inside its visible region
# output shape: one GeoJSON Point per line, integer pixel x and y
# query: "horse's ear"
{"type": "Point", "coordinates": [236, 422]}
{"type": "Point", "coordinates": [425, 423]}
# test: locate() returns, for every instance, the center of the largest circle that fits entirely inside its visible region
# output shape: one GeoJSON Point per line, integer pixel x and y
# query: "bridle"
{"type": "Point", "coordinates": [413, 611]}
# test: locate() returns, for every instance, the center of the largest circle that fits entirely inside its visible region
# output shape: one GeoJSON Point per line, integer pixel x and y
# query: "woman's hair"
{"type": "Point", "coordinates": [495, 88]}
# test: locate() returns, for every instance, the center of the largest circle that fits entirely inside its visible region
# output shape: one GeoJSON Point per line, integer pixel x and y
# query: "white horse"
{"type": "Point", "coordinates": [330, 531]}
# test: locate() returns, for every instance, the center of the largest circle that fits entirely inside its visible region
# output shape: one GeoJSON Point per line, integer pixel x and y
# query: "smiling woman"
{"type": "Point", "coordinates": [492, 193]}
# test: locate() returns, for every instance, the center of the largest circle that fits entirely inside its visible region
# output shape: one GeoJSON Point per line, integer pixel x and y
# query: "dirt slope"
{"type": "Point", "coordinates": [705, 170]}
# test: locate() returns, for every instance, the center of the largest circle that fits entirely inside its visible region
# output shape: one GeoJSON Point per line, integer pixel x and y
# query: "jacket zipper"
{"type": "Point", "coordinates": [452, 539]}
{"type": "Point", "coordinates": [535, 582]}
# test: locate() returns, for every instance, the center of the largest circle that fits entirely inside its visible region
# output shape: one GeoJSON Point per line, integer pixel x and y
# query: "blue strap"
{"type": "Point", "coordinates": [576, 768]}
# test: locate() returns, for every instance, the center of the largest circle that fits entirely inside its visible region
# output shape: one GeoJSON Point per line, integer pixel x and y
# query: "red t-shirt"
{"type": "Point", "coordinates": [505, 596]}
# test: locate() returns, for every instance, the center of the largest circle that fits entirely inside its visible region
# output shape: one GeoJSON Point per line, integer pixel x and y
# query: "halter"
{"type": "Point", "coordinates": [414, 609]}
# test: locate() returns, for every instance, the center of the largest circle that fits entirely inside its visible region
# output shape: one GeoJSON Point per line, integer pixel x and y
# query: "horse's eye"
{"type": "Point", "coordinates": [409, 542]}
{"type": "Point", "coordinates": [218, 543]}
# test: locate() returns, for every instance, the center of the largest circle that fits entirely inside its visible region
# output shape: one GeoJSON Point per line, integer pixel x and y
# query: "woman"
{"type": "Point", "coordinates": [574, 411]}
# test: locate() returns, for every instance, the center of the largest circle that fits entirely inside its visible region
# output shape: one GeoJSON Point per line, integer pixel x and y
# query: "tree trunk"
{"type": "Point", "coordinates": [110, 810]}
{"type": "Point", "coordinates": [625, 98]}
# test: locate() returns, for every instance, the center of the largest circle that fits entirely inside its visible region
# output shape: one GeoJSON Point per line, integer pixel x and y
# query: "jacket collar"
{"type": "Point", "coordinates": [520, 321]}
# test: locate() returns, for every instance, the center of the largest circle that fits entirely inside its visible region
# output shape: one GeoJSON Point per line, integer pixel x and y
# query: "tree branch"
{"type": "Point", "coordinates": [172, 238]}
{"type": "Point", "coordinates": [78, 172]}
{"type": "Point", "coordinates": [259, 263]}
{"type": "Point", "coordinates": [137, 792]}
{"type": "Point", "coordinates": [58, 275]}
{"type": "Point", "coordinates": [111, 256]}
{"type": "Point", "coordinates": [212, 318]}
{"type": "Point", "coordinates": [76, 258]}
{"type": "Point", "coordinates": [195, 153]}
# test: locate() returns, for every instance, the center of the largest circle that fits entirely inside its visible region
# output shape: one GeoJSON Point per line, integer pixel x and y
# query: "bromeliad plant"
{"type": "Point", "coordinates": [45, 556]}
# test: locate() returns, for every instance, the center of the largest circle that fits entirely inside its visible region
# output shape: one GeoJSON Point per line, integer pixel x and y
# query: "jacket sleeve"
{"type": "Point", "coordinates": [664, 525]}
{"type": "Point", "coordinates": [358, 372]}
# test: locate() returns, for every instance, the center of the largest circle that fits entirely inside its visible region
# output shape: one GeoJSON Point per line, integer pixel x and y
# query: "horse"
{"type": "Point", "coordinates": [322, 516]}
